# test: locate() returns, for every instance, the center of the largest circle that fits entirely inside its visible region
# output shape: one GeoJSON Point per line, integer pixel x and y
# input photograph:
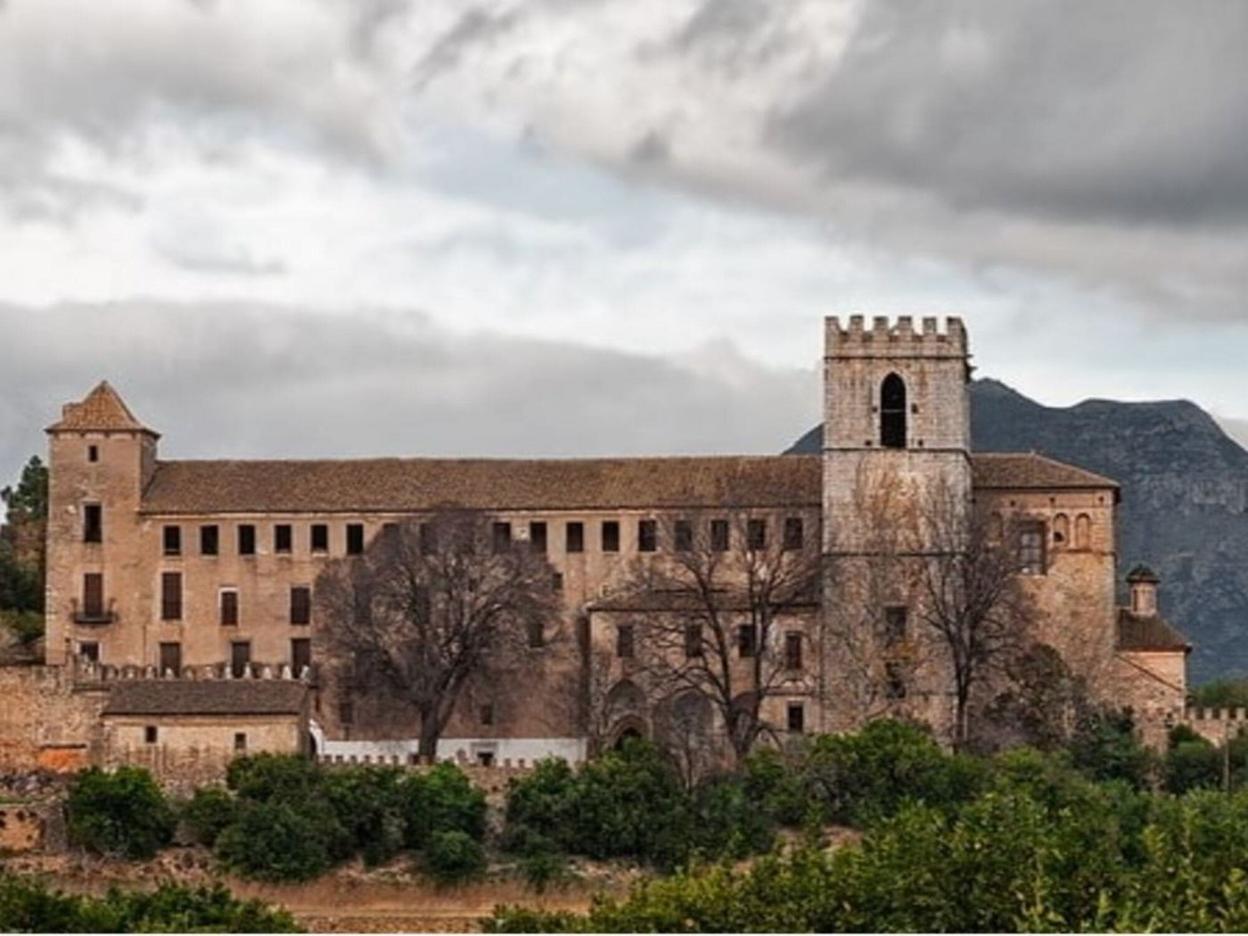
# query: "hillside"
{"type": "Point", "coordinates": [1184, 500]}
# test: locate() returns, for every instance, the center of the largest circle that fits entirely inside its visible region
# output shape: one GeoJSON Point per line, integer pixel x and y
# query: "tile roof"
{"type": "Point", "coordinates": [102, 410]}
{"type": "Point", "coordinates": [1019, 471]}
{"type": "Point", "coordinates": [1137, 633]}
{"type": "Point", "coordinates": [421, 484]}
{"type": "Point", "coordinates": [206, 697]}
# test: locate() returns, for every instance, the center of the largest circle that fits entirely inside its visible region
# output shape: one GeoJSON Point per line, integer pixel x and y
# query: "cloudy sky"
{"type": "Point", "coordinates": [339, 227]}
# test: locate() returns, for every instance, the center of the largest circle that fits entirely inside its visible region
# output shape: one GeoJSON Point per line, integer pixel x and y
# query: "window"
{"type": "Point", "coordinates": [92, 523]}
{"type": "Point", "coordinates": [229, 607]}
{"type": "Point", "coordinates": [487, 715]}
{"type": "Point", "coordinates": [575, 536]}
{"type": "Point", "coordinates": [300, 655]}
{"type": "Point", "coordinates": [89, 650]}
{"type": "Point", "coordinates": [320, 538]}
{"type": "Point", "coordinates": [684, 536]}
{"type": "Point", "coordinates": [171, 596]}
{"type": "Point", "coordinates": [171, 658]}
{"type": "Point", "coordinates": [893, 412]}
{"type": "Point", "coordinates": [537, 634]}
{"type": "Point", "coordinates": [610, 536]}
{"type": "Point", "coordinates": [624, 641]}
{"type": "Point", "coordinates": [173, 541]}
{"type": "Point", "coordinates": [793, 650]}
{"type": "Point", "coordinates": [502, 536]}
{"type": "Point", "coordinates": [719, 535]}
{"type": "Point", "coordinates": [428, 539]}
{"type": "Point", "coordinates": [208, 540]}
{"type": "Point", "coordinates": [894, 680]}
{"type": "Point", "coordinates": [240, 658]}
{"type": "Point", "coordinates": [1083, 532]}
{"type": "Point", "coordinates": [647, 536]}
{"type": "Point", "coordinates": [300, 604]}
{"type": "Point", "coordinates": [794, 535]}
{"type": "Point", "coordinates": [390, 531]}
{"type": "Point", "coordinates": [355, 539]}
{"type": "Point", "coordinates": [1031, 557]}
{"type": "Point", "coordinates": [93, 453]}
{"type": "Point", "coordinates": [246, 539]}
{"type": "Point", "coordinates": [693, 641]}
{"type": "Point", "coordinates": [537, 537]}
{"type": "Point", "coordinates": [896, 623]}
{"type": "Point", "coordinates": [756, 534]}
{"type": "Point", "coordinates": [556, 582]}
{"type": "Point", "coordinates": [93, 595]}
{"type": "Point", "coordinates": [346, 712]}
{"type": "Point", "coordinates": [797, 718]}
{"type": "Point", "coordinates": [149, 734]}
{"type": "Point", "coordinates": [240, 742]}
{"type": "Point", "coordinates": [485, 758]}
{"type": "Point", "coordinates": [1061, 530]}
{"type": "Point", "coordinates": [747, 640]}
{"type": "Point", "coordinates": [282, 538]}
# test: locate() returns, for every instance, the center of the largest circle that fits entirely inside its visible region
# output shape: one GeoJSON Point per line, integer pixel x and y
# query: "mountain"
{"type": "Point", "coordinates": [1184, 500]}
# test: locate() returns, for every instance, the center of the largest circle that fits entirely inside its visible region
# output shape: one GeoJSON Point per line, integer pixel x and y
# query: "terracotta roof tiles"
{"type": "Point", "coordinates": [1139, 633]}
{"type": "Point", "coordinates": [206, 697]}
{"type": "Point", "coordinates": [102, 410]}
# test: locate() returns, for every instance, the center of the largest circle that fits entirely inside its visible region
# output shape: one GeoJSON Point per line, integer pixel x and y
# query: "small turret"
{"type": "Point", "coordinates": [1143, 582]}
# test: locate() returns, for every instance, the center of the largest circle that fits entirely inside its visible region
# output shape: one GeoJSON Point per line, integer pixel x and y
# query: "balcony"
{"type": "Point", "coordinates": [93, 614]}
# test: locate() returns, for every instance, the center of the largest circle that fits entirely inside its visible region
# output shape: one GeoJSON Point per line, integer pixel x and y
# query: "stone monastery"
{"type": "Point", "coordinates": [182, 622]}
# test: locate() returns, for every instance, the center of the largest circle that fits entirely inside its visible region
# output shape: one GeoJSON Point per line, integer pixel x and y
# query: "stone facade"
{"type": "Point", "coordinates": [171, 567]}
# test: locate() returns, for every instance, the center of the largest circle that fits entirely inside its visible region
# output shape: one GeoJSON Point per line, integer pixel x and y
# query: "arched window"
{"type": "Point", "coordinates": [1061, 531]}
{"type": "Point", "coordinates": [893, 412]}
{"type": "Point", "coordinates": [1083, 532]}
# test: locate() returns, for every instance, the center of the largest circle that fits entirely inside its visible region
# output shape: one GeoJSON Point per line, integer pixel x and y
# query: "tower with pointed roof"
{"type": "Point", "coordinates": [101, 457]}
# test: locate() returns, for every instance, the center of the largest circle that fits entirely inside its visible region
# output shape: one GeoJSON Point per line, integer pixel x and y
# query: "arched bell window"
{"type": "Point", "coordinates": [893, 412]}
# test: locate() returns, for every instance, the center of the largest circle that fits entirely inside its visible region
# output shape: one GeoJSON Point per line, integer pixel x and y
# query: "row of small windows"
{"type": "Point", "coordinates": [227, 603]}
{"type": "Point", "coordinates": [695, 644]}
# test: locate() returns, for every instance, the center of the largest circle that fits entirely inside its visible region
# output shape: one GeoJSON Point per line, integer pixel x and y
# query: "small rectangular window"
{"type": "Point", "coordinates": [355, 539]}
{"type": "Point", "coordinates": [149, 734]}
{"type": "Point", "coordinates": [537, 634]}
{"type": "Point", "coordinates": [793, 650]}
{"type": "Point", "coordinates": [171, 596]}
{"type": "Point", "coordinates": [719, 535]}
{"type": "Point", "coordinates": [794, 535]}
{"type": "Point", "coordinates": [747, 640]}
{"type": "Point", "coordinates": [556, 582]}
{"type": "Point", "coordinates": [797, 718]}
{"type": "Point", "coordinates": [428, 539]}
{"type": "Point", "coordinates": [282, 538]}
{"type": "Point", "coordinates": [896, 623]}
{"type": "Point", "coordinates": [240, 742]}
{"type": "Point", "coordinates": [1031, 547]}
{"type": "Point", "coordinates": [610, 536]}
{"type": "Point", "coordinates": [576, 536]}
{"type": "Point", "coordinates": [320, 537]}
{"type": "Point", "coordinates": [173, 540]}
{"type": "Point", "coordinates": [208, 540]}
{"type": "Point", "coordinates": [300, 655]}
{"type": "Point", "coordinates": [624, 641]}
{"type": "Point", "coordinates": [346, 712]}
{"type": "Point", "coordinates": [537, 536]}
{"type": "Point", "coordinates": [894, 680]}
{"type": "Point", "coordinates": [229, 607]}
{"type": "Point", "coordinates": [89, 650]}
{"type": "Point", "coordinates": [693, 641]}
{"type": "Point", "coordinates": [756, 534]}
{"type": "Point", "coordinates": [93, 595]}
{"type": "Point", "coordinates": [487, 715]}
{"type": "Point", "coordinates": [240, 658]}
{"type": "Point", "coordinates": [390, 531]}
{"type": "Point", "coordinates": [246, 539]}
{"type": "Point", "coordinates": [647, 536]}
{"type": "Point", "coordinates": [684, 536]}
{"type": "Point", "coordinates": [300, 604]}
{"type": "Point", "coordinates": [93, 453]}
{"type": "Point", "coordinates": [92, 523]}
{"type": "Point", "coordinates": [501, 536]}
{"type": "Point", "coordinates": [171, 659]}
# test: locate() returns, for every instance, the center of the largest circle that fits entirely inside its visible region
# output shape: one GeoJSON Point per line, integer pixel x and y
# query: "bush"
{"type": "Point", "coordinates": [25, 626]}
{"type": "Point", "coordinates": [274, 777]}
{"type": "Point", "coordinates": [369, 805]}
{"type": "Point", "coordinates": [121, 813]}
{"type": "Point", "coordinates": [727, 821]}
{"type": "Point", "coordinates": [209, 811]}
{"type": "Point", "coordinates": [442, 799]}
{"type": "Point", "coordinates": [1104, 746]}
{"type": "Point", "coordinates": [452, 856]}
{"type": "Point", "coordinates": [275, 842]}
{"type": "Point", "coordinates": [540, 806]}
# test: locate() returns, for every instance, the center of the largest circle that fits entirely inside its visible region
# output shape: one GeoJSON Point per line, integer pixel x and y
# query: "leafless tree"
{"type": "Point", "coordinates": [430, 605]}
{"type": "Point", "coordinates": [709, 613]}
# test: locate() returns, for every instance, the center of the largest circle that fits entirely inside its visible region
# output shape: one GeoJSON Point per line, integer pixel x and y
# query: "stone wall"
{"type": "Point", "coordinates": [46, 722]}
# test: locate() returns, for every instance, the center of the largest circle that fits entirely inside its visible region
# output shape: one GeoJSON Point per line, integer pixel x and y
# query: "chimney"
{"type": "Point", "coordinates": [1143, 582]}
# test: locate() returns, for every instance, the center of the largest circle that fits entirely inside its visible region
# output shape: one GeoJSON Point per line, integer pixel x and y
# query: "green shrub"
{"type": "Point", "coordinates": [369, 805]}
{"type": "Point", "coordinates": [441, 799]}
{"type": "Point", "coordinates": [452, 856]}
{"type": "Point", "coordinates": [776, 787]}
{"type": "Point", "coordinates": [1192, 765]}
{"type": "Point", "coordinates": [26, 626]}
{"type": "Point", "coordinates": [1105, 747]}
{"type": "Point", "coordinates": [540, 806]}
{"type": "Point", "coordinates": [209, 811]}
{"type": "Point", "coordinates": [274, 841]}
{"type": "Point", "coordinates": [264, 777]}
{"type": "Point", "coordinates": [119, 813]}
{"type": "Point", "coordinates": [727, 821]}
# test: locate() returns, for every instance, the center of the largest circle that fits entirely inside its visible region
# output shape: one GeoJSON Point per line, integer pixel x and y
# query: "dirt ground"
{"type": "Point", "coordinates": [349, 899]}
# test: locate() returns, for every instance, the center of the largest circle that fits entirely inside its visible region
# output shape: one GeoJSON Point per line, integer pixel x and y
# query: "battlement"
{"type": "Point", "coordinates": [894, 339]}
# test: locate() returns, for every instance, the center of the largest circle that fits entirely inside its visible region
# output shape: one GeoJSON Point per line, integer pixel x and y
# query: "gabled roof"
{"type": "Point", "coordinates": [102, 410]}
{"type": "Point", "coordinates": [1022, 471]}
{"type": "Point", "coordinates": [1148, 633]}
{"type": "Point", "coordinates": [206, 697]}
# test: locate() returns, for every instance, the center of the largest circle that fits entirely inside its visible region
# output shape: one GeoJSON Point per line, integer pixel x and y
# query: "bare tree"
{"type": "Point", "coordinates": [970, 594]}
{"type": "Point", "coordinates": [710, 610]}
{"type": "Point", "coordinates": [430, 605]}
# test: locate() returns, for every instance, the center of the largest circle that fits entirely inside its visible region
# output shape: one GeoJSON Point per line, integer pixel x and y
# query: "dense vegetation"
{"type": "Point", "coordinates": [122, 813]}
{"type": "Point", "coordinates": [22, 553]}
{"type": "Point", "coordinates": [28, 906]}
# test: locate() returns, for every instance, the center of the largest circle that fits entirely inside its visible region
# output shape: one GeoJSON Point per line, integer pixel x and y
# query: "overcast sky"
{"type": "Point", "coordinates": [342, 227]}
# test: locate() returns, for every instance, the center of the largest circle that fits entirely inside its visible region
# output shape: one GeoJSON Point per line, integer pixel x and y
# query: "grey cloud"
{"type": "Point", "coordinates": [222, 380]}
{"type": "Point", "coordinates": [475, 28]}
